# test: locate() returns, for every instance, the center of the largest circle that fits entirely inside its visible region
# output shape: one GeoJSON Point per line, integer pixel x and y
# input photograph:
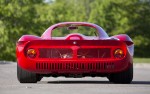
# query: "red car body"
{"type": "Point", "coordinates": [75, 55]}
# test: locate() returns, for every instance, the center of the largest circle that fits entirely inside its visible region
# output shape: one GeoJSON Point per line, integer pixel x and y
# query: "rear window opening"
{"type": "Point", "coordinates": [63, 31]}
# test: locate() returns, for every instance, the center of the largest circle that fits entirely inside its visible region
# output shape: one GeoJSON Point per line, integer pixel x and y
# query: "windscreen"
{"type": "Point", "coordinates": [62, 31]}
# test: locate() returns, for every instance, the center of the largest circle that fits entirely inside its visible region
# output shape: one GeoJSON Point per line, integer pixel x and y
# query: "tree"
{"type": "Point", "coordinates": [17, 17]}
{"type": "Point", "coordinates": [125, 16]}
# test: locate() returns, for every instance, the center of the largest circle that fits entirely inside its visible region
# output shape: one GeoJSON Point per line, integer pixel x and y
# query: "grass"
{"type": "Point", "coordinates": [141, 60]}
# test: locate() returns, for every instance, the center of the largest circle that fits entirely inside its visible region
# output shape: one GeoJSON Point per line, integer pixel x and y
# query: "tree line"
{"type": "Point", "coordinates": [19, 17]}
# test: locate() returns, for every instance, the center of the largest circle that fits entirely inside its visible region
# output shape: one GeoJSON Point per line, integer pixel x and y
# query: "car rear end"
{"type": "Point", "coordinates": [73, 56]}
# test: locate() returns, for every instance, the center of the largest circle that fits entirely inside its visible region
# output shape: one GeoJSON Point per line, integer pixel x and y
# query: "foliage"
{"type": "Point", "coordinates": [141, 60]}
{"type": "Point", "coordinates": [64, 31]}
{"type": "Point", "coordinates": [19, 17]}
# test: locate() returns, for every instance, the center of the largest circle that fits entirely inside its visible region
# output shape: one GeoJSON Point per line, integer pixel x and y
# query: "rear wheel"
{"type": "Point", "coordinates": [27, 77]}
{"type": "Point", "coordinates": [124, 77]}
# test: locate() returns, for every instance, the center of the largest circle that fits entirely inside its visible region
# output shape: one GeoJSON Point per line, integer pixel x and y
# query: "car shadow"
{"type": "Point", "coordinates": [95, 82]}
{"type": "Point", "coordinates": [141, 82]}
{"type": "Point", "coordinates": [79, 82]}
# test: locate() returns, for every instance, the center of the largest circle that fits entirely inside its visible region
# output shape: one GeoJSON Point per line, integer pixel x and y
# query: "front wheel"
{"type": "Point", "coordinates": [124, 77]}
{"type": "Point", "coordinates": [27, 77]}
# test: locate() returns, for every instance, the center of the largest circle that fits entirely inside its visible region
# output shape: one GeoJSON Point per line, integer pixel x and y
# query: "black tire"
{"type": "Point", "coordinates": [124, 77]}
{"type": "Point", "coordinates": [39, 77]}
{"type": "Point", "coordinates": [27, 77]}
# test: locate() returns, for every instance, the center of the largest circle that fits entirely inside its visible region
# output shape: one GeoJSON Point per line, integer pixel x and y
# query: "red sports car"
{"type": "Point", "coordinates": [75, 49]}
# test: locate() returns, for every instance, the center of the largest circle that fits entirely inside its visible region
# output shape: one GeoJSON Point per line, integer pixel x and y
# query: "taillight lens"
{"type": "Point", "coordinates": [31, 53]}
{"type": "Point", "coordinates": [118, 53]}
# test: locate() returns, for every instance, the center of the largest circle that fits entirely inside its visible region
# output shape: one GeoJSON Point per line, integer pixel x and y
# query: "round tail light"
{"type": "Point", "coordinates": [118, 53]}
{"type": "Point", "coordinates": [31, 53]}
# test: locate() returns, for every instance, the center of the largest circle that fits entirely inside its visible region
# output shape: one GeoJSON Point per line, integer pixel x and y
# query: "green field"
{"type": "Point", "coordinates": [141, 60]}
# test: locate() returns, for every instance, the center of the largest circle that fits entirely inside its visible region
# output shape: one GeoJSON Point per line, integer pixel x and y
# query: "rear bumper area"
{"type": "Point", "coordinates": [75, 66]}
{"type": "Point", "coordinates": [86, 56]}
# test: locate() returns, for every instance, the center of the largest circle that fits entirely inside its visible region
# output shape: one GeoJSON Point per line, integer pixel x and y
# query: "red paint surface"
{"type": "Point", "coordinates": [105, 63]}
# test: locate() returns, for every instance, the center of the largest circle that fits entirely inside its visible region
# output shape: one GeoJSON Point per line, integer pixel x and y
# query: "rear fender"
{"type": "Point", "coordinates": [29, 38]}
{"type": "Point", "coordinates": [22, 42]}
{"type": "Point", "coordinates": [125, 38]}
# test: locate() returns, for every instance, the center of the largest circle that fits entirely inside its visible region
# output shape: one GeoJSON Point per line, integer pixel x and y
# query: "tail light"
{"type": "Point", "coordinates": [118, 53]}
{"type": "Point", "coordinates": [31, 53]}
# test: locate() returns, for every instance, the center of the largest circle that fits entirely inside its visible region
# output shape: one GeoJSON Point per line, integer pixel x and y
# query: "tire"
{"type": "Point", "coordinates": [124, 77]}
{"type": "Point", "coordinates": [39, 77]}
{"type": "Point", "coordinates": [27, 77]}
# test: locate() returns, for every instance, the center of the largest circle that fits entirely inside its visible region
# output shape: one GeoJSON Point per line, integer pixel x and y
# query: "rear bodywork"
{"type": "Point", "coordinates": [83, 56]}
